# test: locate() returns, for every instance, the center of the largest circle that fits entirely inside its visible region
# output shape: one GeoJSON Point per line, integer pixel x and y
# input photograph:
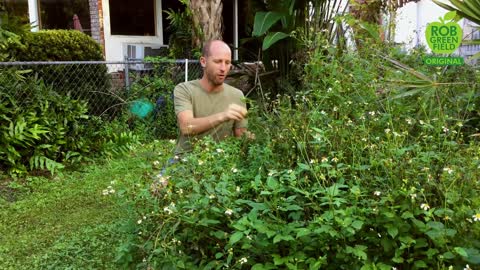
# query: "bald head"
{"type": "Point", "coordinates": [217, 44]}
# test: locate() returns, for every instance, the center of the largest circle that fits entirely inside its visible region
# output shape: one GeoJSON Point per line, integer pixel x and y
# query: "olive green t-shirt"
{"type": "Point", "coordinates": [192, 96]}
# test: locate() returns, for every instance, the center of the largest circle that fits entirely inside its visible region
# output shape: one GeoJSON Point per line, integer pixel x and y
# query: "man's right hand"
{"type": "Point", "coordinates": [234, 112]}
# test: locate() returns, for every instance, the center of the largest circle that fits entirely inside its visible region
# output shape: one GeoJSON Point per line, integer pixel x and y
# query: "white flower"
{"type": "Point", "coordinates": [329, 90]}
{"type": "Point", "coordinates": [167, 210]}
{"type": "Point", "coordinates": [172, 141]}
{"type": "Point", "coordinates": [413, 196]}
{"type": "Point", "coordinates": [139, 221]}
{"type": "Point", "coordinates": [211, 196]}
{"type": "Point", "coordinates": [335, 159]}
{"type": "Point", "coordinates": [111, 191]}
{"type": "Point", "coordinates": [176, 157]}
{"type": "Point", "coordinates": [467, 267]}
{"type": "Point", "coordinates": [270, 173]}
{"type": "Point", "coordinates": [200, 162]}
{"type": "Point", "coordinates": [234, 170]}
{"type": "Point", "coordinates": [448, 170]}
{"type": "Point", "coordinates": [377, 193]}
{"type": "Point", "coordinates": [387, 130]}
{"type": "Point", "coordinates": [409, 121]}
{"type": "Point", "coordinates": [364, 139]}
{"type": "Point", "coordinates": [425, 206]}
{"type": "Point", "coordinates": [228, 212]}
{"type": "Point", "coordinates": [219, 150]}
{"type": "Point", "coordinates": [112, 182]}
{"type": "Point", "coordinates": [237, 189]}
{"type": "Point", "coordinates": [323, 112]}
{"type": "Point", "coordinates": [421, 122]}
{"type": "Point", "coordinates": [180, 191]}
{"type": "Point", "coordinates": [313, 161]}
{"type": "Point", "coordinates": [335, 109]}
{"type": "Point", "coordinates": [476, 217]}
{"type": "Point", "coordinates": [290, 171]}
{"type": "Point", "coordinates": [324, 159]}
{"type": "Point", "coordinates": [105, 192]}
{"type": "Point", "coordinates": [459, 124]}
{"type": "Point", "coordinates": [372, 113]}
{"type": "Point", "coordinates": [156, 163]}
{"type": "Point", "coordinates": [243, 260]}
{"type": "Point", "coordinates": [445, 129]}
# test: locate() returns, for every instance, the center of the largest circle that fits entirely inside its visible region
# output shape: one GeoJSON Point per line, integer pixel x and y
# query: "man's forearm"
{"type": "Point", "coordinates": [198, 125]}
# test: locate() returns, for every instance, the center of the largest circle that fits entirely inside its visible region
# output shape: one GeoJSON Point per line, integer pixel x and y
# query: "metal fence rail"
{"type": "Point", "coordinates": [106, 86]}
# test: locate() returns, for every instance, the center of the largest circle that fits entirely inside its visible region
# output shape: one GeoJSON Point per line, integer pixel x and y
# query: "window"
{"type": "Point", "coordinates": [132, 18]}
{"type": "Point", "coordinates": [58, 14]}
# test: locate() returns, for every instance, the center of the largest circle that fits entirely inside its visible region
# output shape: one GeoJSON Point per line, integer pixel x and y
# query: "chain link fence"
{"type": "Point", "coordinates": [107, 87]}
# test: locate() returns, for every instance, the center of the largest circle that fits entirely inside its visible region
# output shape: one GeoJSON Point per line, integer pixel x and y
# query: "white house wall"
{"type": "Point", "coordinates": [115, 44]}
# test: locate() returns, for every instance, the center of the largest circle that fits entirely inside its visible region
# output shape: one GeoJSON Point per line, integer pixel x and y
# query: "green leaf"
{"type": "Point", "coordinates": [272, 38]}
{"type": "Point", "coordinates": [237, 236]}
{"type": "Point", "coordinates": [303, 232]}
{"type": "Point", "coordinates": [392, 230]}
{"type": "Point", "coordinates": [264, 21]}
{"type": "Point", "coordinates": [460, 251]}
{"type": "Point", "coordinates": [448, 255]}
{"type": "Point", "coordinates": [420, 264]}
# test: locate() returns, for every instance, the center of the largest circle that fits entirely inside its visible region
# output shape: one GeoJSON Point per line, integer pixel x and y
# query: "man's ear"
{"type": "Point", "coordinates": [203, 61]}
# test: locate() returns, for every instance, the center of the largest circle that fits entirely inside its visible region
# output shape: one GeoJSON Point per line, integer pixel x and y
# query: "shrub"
{"type": "Point", "coordinates": [40, 128]}
{"type": "Point", "coordinates": [89, 82]}
{"type": "Point", "coordinates": [351, 174]}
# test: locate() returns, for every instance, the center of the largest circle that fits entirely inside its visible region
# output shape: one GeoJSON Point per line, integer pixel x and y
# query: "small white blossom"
{"type": "Point", "coordinates": [445, 129]}
{"type": "Point", "coordinates": [139, 221]}
{"type": "Point", "coordinates": [211, 196]}
{"type": "Point", "coordinates": [234, 170]}
{"type": "Point", "coordinates": [156, 163]}
{"type": "Point", "coordinates": [167, 210]}
{"type": "Point", "coordinates": [421, 122]}
{"type": "Point", "coordinates": [324, 159]}
{"type": "Point", "coordinates": [425, 206]}
{"type": "Point", "coordinates": [335, 109]}
{"type": "Point", "coordinates": [476, 217]}
{"type": "Point", "coordinates": [448, 170]}
{"type": "Point", "coordinates": [467, 267]}
{"type": "Point", "coordinates": [200, 162]}
{"type": "Point", "coordinates": [243, 260]}
{"type": "Point", "coordinates": [323, 112]}
{"type": "Point", "coordinates": [387, 130]}
{"type": "Point", "coordinates": [270, 173]}
{"type": "Point", "coordinates": [335, 159]}
{"type": "Point", "coordinates": [409, 121]}
{"type": "Point", "coordinates": [172, 141]}
{"type": "Point", "coordinates": [459, 124]}
{"type": "Point", "coordinates": [228, 212]}
{"type": "Point", "coordinates": [237, 189]}
{"type": "Point", "coordinates": [377, 193]}
{"type": "Point", "coordinates": [105, 192]}
{"type": "Point", "coordinates": [372, 113]}
{"type": "Point", "coordinates": [313, 161]}
{"type": "Point", "coordinates": [413, 196]}
{"type": "Point", "coordinates": [219, 150]}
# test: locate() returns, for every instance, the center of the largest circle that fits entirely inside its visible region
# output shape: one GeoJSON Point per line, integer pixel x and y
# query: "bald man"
{"type": "Point", "coordinates": [209, 107]}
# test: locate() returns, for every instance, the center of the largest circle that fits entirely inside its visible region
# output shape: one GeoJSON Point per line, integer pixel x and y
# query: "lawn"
{"type": "Point", "coordinates": [66, 221]}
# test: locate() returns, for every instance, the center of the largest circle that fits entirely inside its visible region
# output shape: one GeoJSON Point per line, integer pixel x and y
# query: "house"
{"type": "Point", "coordinates": [127, 28]}
{"type": "Point", "coordinates": [133, 29]}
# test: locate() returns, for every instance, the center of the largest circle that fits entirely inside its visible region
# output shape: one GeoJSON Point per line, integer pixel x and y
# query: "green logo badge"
{"type": "Point", "coordinates": [444, 36]}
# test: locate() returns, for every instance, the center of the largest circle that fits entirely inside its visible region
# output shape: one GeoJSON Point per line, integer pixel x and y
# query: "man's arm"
{"type": "Point", "coordinates": [189, 125]}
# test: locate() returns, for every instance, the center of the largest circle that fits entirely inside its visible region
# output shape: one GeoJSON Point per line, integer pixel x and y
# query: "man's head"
{"type": "Point", "coordinates": [216, 60]}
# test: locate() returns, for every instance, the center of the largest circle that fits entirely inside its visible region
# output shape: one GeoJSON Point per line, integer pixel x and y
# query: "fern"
{"type": "Point", "coordinates": [42, 162]}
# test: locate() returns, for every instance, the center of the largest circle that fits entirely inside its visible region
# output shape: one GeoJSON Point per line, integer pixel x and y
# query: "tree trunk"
{"type": "Point", "coordinates": [207, 20]}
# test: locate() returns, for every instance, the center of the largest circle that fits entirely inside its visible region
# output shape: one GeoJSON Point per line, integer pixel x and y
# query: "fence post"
{"type": "Point", "coordinates": [127, 77]}
{"type": "Point", "coordinates": [186, 70]}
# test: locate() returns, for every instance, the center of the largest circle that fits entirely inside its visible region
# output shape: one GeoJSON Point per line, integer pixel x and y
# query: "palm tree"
{"type": "Point", "coordinates": [207, 20]}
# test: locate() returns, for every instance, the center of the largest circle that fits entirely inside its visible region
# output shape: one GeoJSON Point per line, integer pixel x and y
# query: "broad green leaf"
{"type": "Point", "coordinates": [460, 251]}
{"type": "Point", "coordinates": [264, 21]}
{"type": "Point", "coordinates": [237, 236]}
{"type": "Point", "coordinates": [272, 38]}
{"type": "Point", "coordinates": [420, 264]}
{"type": "Point", "coordinates": [392, 231]}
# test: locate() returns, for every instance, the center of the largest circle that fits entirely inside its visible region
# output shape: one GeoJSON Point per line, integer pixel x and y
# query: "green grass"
{"type": "Point", "coordinates": [65, 222]}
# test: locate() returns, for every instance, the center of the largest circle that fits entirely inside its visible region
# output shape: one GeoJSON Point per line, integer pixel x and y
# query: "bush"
{"type": "Point", "coordinates": [89, 82]}
{"type": "Point", "coordinates": [40, 128]}
{"type": "Point", "coordinates": [354, 173]}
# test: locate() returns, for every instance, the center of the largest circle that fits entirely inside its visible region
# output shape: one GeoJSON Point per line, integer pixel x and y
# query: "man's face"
{"type": "Point", "coordinates": [217, 64]}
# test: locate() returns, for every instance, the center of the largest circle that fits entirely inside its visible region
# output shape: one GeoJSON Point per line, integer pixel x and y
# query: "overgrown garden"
{"type": "Point", "coordinates": [364, 158]}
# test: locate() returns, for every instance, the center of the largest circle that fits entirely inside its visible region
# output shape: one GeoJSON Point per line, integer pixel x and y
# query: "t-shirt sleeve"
{"type": "Point", "coordinates": [182, 99]}
{"type": "Point", "coordinates": [244, 122]}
